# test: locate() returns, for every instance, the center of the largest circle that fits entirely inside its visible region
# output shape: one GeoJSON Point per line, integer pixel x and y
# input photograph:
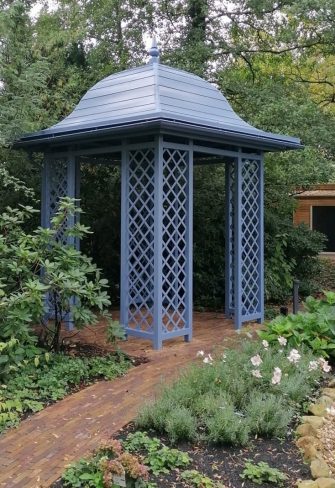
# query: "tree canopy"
{"type": "Point", "coordinates": [274, 61]}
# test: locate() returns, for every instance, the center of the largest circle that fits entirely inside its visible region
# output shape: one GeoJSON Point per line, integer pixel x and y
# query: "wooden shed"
{"type": "Point", "coordinates": [316, 208]}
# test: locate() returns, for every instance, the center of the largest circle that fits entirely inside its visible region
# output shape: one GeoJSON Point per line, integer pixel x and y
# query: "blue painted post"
{"type": "Point", "coordinates": [158, 244]}
{"type": "Point", "coordinates": [238, 243]}
{"type": "Point", "coordinates": [229, 239]}
{"type": "Point", "coordinates": [189, 247]}
{"type": "Point", "coordinates": [124, 239]}
{"type": "Point", "coordinates": [261, 238]}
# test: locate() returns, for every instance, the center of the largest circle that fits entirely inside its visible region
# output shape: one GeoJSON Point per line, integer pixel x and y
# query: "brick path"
{"type": "Point", "coordinates": [34, 455]}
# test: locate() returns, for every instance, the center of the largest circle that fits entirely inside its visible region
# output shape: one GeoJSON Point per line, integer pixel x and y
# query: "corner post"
{"type": "Point", "coordinates": [230, 168]}
{"type": "Point", "coordinates": [158, 244]}
{"type": "Point", "coordinates": [189, 247]}
{"type": "Point", "coordinates": [124, 239]}
{"type": "Point", "coordinates": [238, 243]}
{"type": "Point", "coordinates": [261, 238]}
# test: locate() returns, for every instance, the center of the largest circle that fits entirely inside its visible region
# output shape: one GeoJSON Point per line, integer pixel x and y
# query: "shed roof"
{"type": "Point", "coordinates": [156, 93]}
{"type": "Point", "coordinates": [326, 190]}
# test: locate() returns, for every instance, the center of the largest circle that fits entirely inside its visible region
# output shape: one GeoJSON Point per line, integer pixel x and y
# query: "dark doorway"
{"type": "Point", "coordinates": [323, 220]}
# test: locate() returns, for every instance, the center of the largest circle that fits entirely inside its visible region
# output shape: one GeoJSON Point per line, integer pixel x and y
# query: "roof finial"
{"type": "Point", "coordinates": [154, 51]}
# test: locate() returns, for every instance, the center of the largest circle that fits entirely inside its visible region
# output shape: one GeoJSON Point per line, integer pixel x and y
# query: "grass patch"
{"type": "Point", "coordinates": [33, 386]}
{"type": "Point", "coordinates": [229, 400]}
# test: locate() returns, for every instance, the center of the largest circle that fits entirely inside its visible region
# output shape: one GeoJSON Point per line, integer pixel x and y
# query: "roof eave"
{"type": "Point", "coordinates": [260, 140]}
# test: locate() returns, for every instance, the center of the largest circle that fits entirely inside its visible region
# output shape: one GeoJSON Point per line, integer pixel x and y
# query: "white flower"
{"type": "Point", "coordinates": [313, 365]}
{"type": "Point", "coordinates": [331, 410]}
{"type": "Point", "coordinates": [282, 341]}
{"type": "Point", "coordinates": [200, 354]}
{"type": "Point", "coordinates": [224, 357]}
{"type": "Point", "coordinates": [256, 360]}
{"type": "Point", "coordinates": [256, 373]}
{"type": "Point", "coordinates": [208, 359]}
{"type": "Point", "coordinates": [265, 344]}
{"type": "Point", "coordinates": [324, 365]}
{"type": "Point", "coordinates": [276, 378]}
{"type": "Point", "coordinates": [294, 356]}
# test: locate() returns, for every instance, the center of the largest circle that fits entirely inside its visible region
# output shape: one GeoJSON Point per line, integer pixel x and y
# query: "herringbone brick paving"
{"type": "Point", "coordinates": [34, 454]}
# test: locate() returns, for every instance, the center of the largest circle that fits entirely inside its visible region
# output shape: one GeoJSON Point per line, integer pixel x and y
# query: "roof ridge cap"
{"type": "Point", "coordinates": [155, 67]}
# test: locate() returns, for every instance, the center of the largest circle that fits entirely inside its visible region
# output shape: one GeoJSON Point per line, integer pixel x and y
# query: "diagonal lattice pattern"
{"type": "Point", "coordinates": [175, 201]}
{"type": "Point", "coordinates": [58, 188]}
{"type": "Point", "coordinates": [140, 260]}
{"type": "Point", "coordinates": [250, 238]}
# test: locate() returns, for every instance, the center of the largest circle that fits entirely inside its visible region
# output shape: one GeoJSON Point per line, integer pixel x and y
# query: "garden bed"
{"type": "Point", "coordinates": [225, 464]}
{"type": "Point", "coordinates": [35, 385]}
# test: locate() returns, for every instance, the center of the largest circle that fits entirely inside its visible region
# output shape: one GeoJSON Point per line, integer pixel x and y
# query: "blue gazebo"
{"type": "Point", "coordinates": [157, 122]}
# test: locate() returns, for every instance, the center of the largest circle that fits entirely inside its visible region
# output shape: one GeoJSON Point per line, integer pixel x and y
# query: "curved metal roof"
{"type": "Point", "coordinates": [156, 92]}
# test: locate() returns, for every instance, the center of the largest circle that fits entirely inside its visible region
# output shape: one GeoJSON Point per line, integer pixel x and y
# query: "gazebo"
{"type": "Point", "coordinates": [157, 122]}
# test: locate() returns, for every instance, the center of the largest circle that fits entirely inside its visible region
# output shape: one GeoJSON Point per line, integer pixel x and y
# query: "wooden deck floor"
{"type": "Point", "coordinates": [35, 454]}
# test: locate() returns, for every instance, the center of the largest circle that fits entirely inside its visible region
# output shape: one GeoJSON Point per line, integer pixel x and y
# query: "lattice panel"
{"type": "Point", "coordinates": [140, 261]}
{"type": "Point", "coordinates": [250, 238]}
{"type": "Point", "coordinates": [231, 234]}
{"type": "Point", "coordinates": [175, 201]}
{"type": "Point", "coordinates": [58, 188]}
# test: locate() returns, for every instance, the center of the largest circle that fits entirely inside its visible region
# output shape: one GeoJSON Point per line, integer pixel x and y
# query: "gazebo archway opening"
{"type": "Point", "coordinates": [157, 122]}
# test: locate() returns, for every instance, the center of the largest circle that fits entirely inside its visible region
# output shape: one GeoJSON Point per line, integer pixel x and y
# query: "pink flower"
{"type": "Point", "coordinates": [294, 356]}
{"type": "Point", "coordinates": [324, 365]}
{"type": "Point", "coordinates": [282, 341]}
{"type": "Point", "coordinates": [276, 378]}
{"type": "Point", "coordinates": [256, 360]}
{"type": "Point", "coordinates": [256, 373]}
{"type": "Point", "coordinates": [265, 344]}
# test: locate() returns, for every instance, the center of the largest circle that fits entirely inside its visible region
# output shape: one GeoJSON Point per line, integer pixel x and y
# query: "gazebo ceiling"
{"type": "Point", "coordinates": [156, 95]}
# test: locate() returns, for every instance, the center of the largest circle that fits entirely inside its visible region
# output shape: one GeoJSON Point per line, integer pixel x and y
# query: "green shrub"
{"type": "Point", "coordinates": [227, 426]}
{"type": "Point", "coordinates": [84, 473]}
{"type": "Point", "coordinates": [224, 401]}
{"type": "Point", "coordinates": [314, 328]}
{"type": "Point", "coordinates": [268, 415]}
{"type": "Point", "coordinates": [198, 480]}
{"type": "Point", "coordinates": [180, 424]}
{"type": "Point", "coordinates": [155, 418]}
{"type": "Point", "coordinates": [158, 457]}
{"type": "Point", "coordinates": [262, 473]}
{"type": "Point", "coordinates": [38, 265]}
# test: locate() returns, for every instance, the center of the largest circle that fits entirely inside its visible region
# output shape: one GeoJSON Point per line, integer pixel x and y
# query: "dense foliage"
{"type": "Point", "coordinates": [314, 328]}
{"type": "Point", "coordinates": [41, 279]}
{"type": "Point", "coordinates": [50, 378]}
{"type": "Point", "coordinates": [274, 61]}
{"type": "Point", "coordinates": [256, 390]}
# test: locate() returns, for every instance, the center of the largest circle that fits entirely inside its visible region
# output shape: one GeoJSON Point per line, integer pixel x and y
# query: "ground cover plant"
{"type": "Point", "coordinates": [261, 473]}
{"type": "Point", "coordinates": [314, 328]}
{"type": "Point", "coordinates": [39, 383]}
{"type": "Point", "coordinates": [256, 390]}
{"type": "Point", "coordinates": [141, 459]}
